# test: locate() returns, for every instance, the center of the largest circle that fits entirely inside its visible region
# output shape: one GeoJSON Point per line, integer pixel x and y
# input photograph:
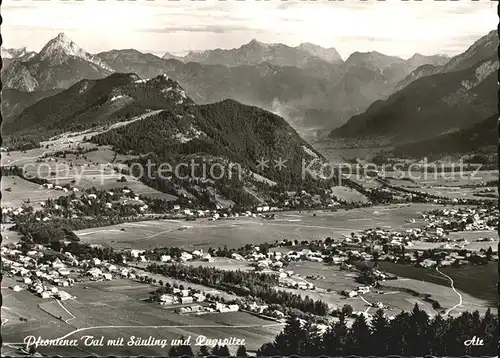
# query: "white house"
{"type": "Point", "coordinates": [197, 253]}
{"type": "Point", "coordinates": [185, 256]}
{"type": "Point", "coordinates": [63, 296]}
{"type": "Point", "coordinates": [107, 276]}
{"type": "Point", "coordinates": [135, 253]}
{"type": "Point", "coordinates": [199, 297]}
{"type": "Point", "coordinates": [45, 294]}
{"type": "Point", "coordinates": [58, 264]}
{"type": "Point", "coordinates": [94, 272]}
{"type": "Point", "coordinates": [236, 256]}
{"type": "Point", "coordinates": [207, 257]}
{"type": "Point", "coordinates": [16, 288]}
{"type": "Point", "coordinates": [188, 299]}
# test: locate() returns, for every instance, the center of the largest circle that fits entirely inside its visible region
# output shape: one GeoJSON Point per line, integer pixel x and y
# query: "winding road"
{"type": "Point", "coordinates": [460, 299]}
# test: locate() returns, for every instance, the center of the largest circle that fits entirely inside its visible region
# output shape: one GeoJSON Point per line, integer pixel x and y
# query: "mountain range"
{"type": "Point", "coordinates": [303, 56]}
{"type": "Point", "coordinates": [453, 98]}
{"type": "Point", "coordinates": [368, 96]}
{"type": "Point", "coordinates": [59, 64]}
{"type": "Point", "coordinates": [160, 122]}
{"type": "Point", "coordinates": [312, 87]}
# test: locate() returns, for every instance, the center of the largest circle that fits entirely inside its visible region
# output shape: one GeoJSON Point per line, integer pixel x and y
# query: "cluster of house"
{"type": "Point", "coordinates": [57, 272]}
{"type": "Point", "coordinates": [36, 275]}
{"type": "Point", "coordinates": [9, 211]}
{"type": "Point", "coordinates": [179, 296]}
{"type": "Point", "coordinates": [28, 266]}
{"type": "Point", "coordinates": [58, 187]}
{"type": "Point", "coordinates": [45, 291]}
{"type": "Point", "coordinates": [355, 293]}
{"type": "Point", "coordinates": [218, 214]}
{"type": "Point", "coordinates": [213, 307]}
{"type": "Point", "coordinates": [455, 258]}
{"type": "Point", "coordinates": [299, 285]}
{"type": "Point", "coordinates": [396, 238]}
{"type": "Point", "coordinates": [145, 256]}
{"type": "Point", "coordinates": [462, 219]}
{"type": "Point", "coordinates": [101, 270]}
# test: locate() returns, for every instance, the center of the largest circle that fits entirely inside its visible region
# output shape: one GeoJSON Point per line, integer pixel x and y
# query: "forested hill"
{"type": "Point", "coordinates": [225, 130]}
{"type": "Point", "coordinates": [477, 137]}
{"type": "Point", "coordinates": [164, 124]}
{"type": "Point", "coordinates": [89, 103]}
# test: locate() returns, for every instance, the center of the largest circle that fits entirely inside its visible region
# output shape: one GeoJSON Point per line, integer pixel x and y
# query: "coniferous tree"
{"type": "Point", "coordinates": [408, 334]}
{"type": "Point", "coordinates": [291, 339]}
{"type": "Point", "coordinates": [241, 352]}
{"type": "Point", "coordinates": [359, 338]}
{"type": "Point", "coordinates": [398, 335]}
{"type": "Point", "coordinates": [185, 350]}
{"type": "Point", "coordinates": [223, 351]}
{"type": "Point", "coordinates": [313, 345]}
{"type": "Point", "coordinates": [267, 350]}
{"type": "Point", "coordinates": [437, 329]}
{"type": "Point", "coordinates": [379, 331]}
{"type": "Point", "coordinates": [419, 325]}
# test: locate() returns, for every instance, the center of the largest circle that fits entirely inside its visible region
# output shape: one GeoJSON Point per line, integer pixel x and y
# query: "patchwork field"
{"type": "Point", "coordinates": [113, 310]}
{"type": "Point", "coordinates": [96, 170]}
{"type": "Point", "coordinates": [397, 300]}
{"type": "Point", "coordinates": [205, 233]}
{"type": "Point", "coordinates": [472, 280]}
{"type": "Point", "coordinates": [458, 184]}
{"type": "Point", "coordinates": [16, 190]}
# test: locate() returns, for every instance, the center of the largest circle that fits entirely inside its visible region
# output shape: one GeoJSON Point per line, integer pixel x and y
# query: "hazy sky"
{"type": "Point", "coordinates": [393, 27]}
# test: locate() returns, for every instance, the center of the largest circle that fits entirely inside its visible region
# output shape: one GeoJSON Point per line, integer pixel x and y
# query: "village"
{"type": "Point", "coordinates": [47, 278]}
{"type": "Point", "coordinates": [51, 259]}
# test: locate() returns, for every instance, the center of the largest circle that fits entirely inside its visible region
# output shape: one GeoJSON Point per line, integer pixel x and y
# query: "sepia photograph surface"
{"type": "Point", "coordinates": [249, 178]}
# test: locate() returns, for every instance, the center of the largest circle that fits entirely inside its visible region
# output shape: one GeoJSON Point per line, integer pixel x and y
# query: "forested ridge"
{"type": "Point", "coordinates": [408, 334]}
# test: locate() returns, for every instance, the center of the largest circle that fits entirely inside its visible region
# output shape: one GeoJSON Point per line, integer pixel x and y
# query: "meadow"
{"type": "Point", "coordinates": [16, 191]}
{"type": "Point", "coordinates": [95, 170]}
{"type": "Point", "coordinates": [479, 281]}
{"type": "Point", "coordinates": [117, 309]}
{"type": "Point", "coordinates": [394, 297]}
{"type": "Point", "coordinates": [236, 233]}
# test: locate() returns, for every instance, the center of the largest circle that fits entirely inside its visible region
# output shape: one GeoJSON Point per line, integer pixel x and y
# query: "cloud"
{"type": "Point", "coordinates": [393, 27]}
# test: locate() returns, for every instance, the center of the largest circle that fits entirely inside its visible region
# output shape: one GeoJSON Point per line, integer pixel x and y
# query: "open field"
{"type": "Point", "coordinates": [222, 263]}
{"type": "Point", "coordinates": [339, 154]}
{"type": "Point", "coordinates": [205, 233]}
{"type": "Point", "coordinates": [420, 245]}
{"type": "Point", "coordinates": [452, 184]}
{"type": "Point", "coordinates": [475, 280]}
{"type": "Point", "coordinates": [115, 309]}
{"type": "Point", "coordinates": [8, 236]}
{"type": "Point", "coordinates": [21, 190]}
{"type": "Point", "coordinates": [338, 280]}
{"type": "Point", "coordinates": [95, 170]}
{"type": "Point", "coordinates": [348, 194]}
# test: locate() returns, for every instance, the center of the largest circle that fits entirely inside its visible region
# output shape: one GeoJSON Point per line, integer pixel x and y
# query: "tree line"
{"type": "Point", "coordinates": [244, 284]}
{"type": "Point", "coordinates": [407, 334]}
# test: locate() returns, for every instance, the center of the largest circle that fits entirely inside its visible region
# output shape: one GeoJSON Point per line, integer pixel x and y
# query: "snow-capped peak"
{"type": "Point", "coordinates": [61, 47]}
